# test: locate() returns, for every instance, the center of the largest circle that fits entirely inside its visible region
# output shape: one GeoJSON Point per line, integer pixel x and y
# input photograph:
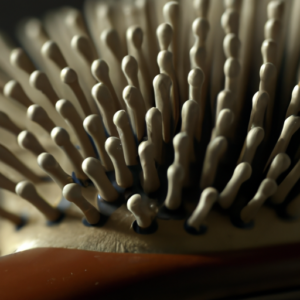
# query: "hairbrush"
{"type": "Point", "coordinates": [155, 128]}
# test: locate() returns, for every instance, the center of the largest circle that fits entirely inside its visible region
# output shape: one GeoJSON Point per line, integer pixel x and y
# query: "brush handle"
{"type": "Point", "coordinates": [253, 270]}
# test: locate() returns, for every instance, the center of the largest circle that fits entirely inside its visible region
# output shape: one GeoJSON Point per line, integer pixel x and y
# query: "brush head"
{"type": "Point", "coordinates": [166, 131]}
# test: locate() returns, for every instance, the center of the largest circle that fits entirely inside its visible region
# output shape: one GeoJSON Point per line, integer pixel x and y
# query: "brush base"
{"type": "Point", "coordinates": [107, 208]}
{"type": "Point", "coordinates": [22, 224]}
{"type": "Point", "coordinates": [151, 229]}
{"type": "Point", "coordinates": [194, 231]}
{"type": "Point", "coordinates": [103, 220]}
{"type": "Point", "coordinates": [169, 214]}
{"type": "Point", "coordinates": [56, 222]}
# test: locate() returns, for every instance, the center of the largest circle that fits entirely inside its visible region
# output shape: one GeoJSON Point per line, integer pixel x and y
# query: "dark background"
{"type": "Point", "coordinates": [12, 11]}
